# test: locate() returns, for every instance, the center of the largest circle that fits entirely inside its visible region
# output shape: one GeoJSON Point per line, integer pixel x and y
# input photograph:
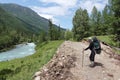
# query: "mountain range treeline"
{"type": "Point", "coordinates": [105, 22]}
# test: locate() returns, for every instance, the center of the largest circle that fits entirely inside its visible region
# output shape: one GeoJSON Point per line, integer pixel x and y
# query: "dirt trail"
{"type": "Point", "coordinates": [67, 64]}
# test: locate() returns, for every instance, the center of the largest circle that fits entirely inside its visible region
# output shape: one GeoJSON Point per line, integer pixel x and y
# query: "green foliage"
{"type": "Point", "coordinates": [116, 23]}
{"type": "Point", "coordinates": [80, 24]}
{"type": "Point", "coordinates": [43, 37]}
{"type": "Point", "coordinates": [51, 30]}
{"type": "Point", "coordinates": [24, 68]}
{"type": "Point", "coordinates": [68, 35]}
{"type": "Point", "coordinates": [96, 21]}
{"type": "Point", "coordinates": [107, 20]}
{"type": "Point", "coordinates": [55, 33]}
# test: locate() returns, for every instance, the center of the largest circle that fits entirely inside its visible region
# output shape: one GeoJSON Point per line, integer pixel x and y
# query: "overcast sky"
{"type": "Point", "coordinates": [60, 11]}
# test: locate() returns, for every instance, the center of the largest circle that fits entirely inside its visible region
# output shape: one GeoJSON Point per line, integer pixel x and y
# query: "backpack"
{"type": "Point", "coordinates": [97, 46]}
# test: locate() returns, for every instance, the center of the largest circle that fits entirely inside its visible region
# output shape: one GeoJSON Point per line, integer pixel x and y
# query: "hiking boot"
{"type": "Point", "coordinates": [92, 64]}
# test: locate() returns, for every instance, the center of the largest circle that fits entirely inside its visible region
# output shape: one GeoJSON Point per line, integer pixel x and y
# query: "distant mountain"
{"type": "Point", "coordinates": [9, 21]}
{"type": "Point", "coordinates": [26, 15]}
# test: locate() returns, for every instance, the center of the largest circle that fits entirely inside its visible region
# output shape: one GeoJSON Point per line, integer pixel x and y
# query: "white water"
{"type": "Point", "coordinates": [21, 50]}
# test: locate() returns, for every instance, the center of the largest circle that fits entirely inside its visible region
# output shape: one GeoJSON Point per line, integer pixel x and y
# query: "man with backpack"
{"type": "Point", "coordinates": [95, 48]}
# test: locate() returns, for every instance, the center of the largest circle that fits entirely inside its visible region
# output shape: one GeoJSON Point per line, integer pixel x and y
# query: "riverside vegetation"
{"type": "Point", "coordinates": [24, 68]}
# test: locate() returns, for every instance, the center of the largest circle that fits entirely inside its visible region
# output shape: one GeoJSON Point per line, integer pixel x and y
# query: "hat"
{"type": "Point", "coordinates": [90, 38]}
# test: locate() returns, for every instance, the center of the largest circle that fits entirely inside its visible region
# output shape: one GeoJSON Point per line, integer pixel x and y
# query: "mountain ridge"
{"type": "Point", "coordinates": [8, 20]}
{"type": "Point", "coordinates": [27, 15]}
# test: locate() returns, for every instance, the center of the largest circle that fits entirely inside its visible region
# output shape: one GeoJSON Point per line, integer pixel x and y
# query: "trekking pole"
{"type": "Point", "coordinates": [82, 57]}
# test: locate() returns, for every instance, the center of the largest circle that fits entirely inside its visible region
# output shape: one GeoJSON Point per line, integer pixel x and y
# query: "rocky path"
{"type": "Point", "coordinates": [67, 64]}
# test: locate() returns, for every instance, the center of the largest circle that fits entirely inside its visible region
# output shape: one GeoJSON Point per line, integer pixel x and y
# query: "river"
{"type": "Point", "coordinates": [19, 51]}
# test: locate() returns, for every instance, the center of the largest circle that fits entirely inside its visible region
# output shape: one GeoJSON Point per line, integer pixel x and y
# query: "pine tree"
{"type": "Point", "coordinates": [107, 18]}
{"type": "Point", "coordinates": [80, 24]}
{"type": "Point", "coordinates": [59, 32]}
{"type": "Point", "coordinates": [50, 29]}
{"type": "Point", "coordinates": [116, 23]}
{"type": "Point", "coordinates": [68, 35]}
{"type": "Point", "coordinates": [94, 21]}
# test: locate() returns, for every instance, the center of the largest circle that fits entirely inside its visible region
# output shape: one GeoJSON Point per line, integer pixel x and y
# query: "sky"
{"type": "Point", "coordinates": [60, 11]}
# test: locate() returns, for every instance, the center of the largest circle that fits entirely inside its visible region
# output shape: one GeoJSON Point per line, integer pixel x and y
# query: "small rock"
{"type": "Point", "coordinates": [37, 78]}
{"type": "Point", "coordinates": [63, 58]}
{"type": "Point", "coordinates": [60, 59]}
{"type": "Point", "coordinates": [103, 71]}
{"type": "Point", "coordinates": [37, 73]}
{"type": "Point", "coordinates": [46, 70]}
{"type": "Point", "coordinates": [60, 63]}
{"type": "Point", "coordinates": [105, 78]}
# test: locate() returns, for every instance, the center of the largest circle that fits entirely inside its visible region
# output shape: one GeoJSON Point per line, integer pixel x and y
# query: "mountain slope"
{"type": "Point", "coordinates": [27, 15]}
{"type": "Point", "coordinates": [8, 20]}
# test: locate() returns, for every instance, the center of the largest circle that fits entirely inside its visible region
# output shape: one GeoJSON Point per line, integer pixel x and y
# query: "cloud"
{"type": "Point", "coordinates": [50, 12]}
{"type": "Point", "coordinates": [63, 3]}
{"type": "Point", "coordinates": [63, 7]}
{"type": "Point", "coordinates": [89, 4]}
{"type": "Point", "coordinates": [47, 16]}
{"type": "Point", "coordinates": [55, 8]}
{"type": "Point", "coordinates": [60, 9]}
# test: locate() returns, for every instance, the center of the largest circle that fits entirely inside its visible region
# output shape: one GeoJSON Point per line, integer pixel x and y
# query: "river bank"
{"type": "Point", "coordinates": [11, 47]}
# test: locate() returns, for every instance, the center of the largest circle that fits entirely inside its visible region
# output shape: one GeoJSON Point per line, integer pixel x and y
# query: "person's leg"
{"type": "Point", "coordinates": [92, 58]}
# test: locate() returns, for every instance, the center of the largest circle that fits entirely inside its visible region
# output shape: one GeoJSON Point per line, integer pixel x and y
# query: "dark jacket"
{"type": "Point", "coordinates": [91, 46]}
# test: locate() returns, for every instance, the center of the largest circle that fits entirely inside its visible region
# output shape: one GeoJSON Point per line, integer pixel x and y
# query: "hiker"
{"type": "Point", "coordinates": [95, 48]}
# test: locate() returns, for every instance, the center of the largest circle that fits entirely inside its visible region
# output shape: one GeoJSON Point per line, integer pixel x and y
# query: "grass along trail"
{"type": "Point", "coordinates": [67, 64]}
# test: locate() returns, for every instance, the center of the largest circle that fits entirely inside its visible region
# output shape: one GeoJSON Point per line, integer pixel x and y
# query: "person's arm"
{"type": "Point", "coordinates": [87, 48]}
{"type": "Point", "coordinates": [90, 45]}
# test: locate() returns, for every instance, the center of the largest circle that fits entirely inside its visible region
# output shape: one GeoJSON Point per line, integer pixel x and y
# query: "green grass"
{"type": "Point", "coordinates": [110, 41]}
{"type": "Point", "coordinates": [24, 68]}
{"type": "Point", "coordinates": [107, 39]}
